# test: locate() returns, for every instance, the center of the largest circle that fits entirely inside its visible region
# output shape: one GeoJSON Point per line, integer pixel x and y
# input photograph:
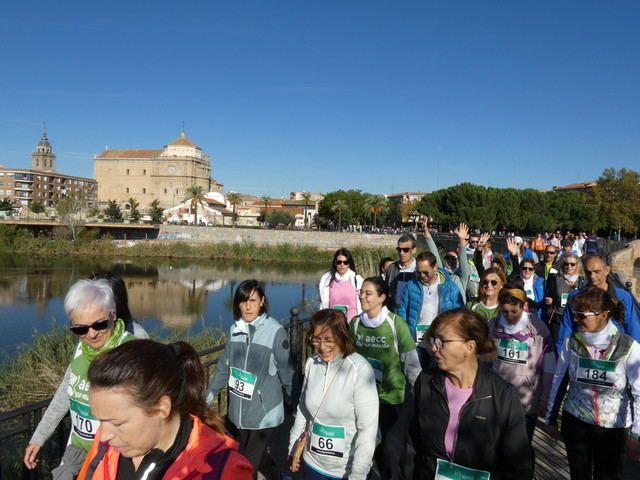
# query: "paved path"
{"type": "Point", "coordinates": [551, 460]}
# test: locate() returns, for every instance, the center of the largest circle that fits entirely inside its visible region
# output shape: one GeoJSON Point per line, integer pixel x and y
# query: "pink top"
{"type": "Point", "coordinates": [456, 397]}
{"type": "Point", "coordinates": [344, 293]}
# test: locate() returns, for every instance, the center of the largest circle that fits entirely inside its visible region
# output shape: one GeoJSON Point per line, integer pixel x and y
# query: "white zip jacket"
{"type": "Point", "coordinates": [350, 407]}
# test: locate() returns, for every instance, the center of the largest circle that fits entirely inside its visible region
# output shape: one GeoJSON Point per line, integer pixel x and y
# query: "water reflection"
{"type": "Point", "coordinates": [164, 295]}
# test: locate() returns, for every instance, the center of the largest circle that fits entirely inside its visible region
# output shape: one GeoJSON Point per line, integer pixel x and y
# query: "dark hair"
{"type": "Point", "coordinates": [382, 262]}
{"type": "Point", "coordinates": [336, 322]}
{"type": "Point", "coordinates": [345, 253]}
{"type": "Point", "coordinates": [485, 274]}
{"type": "Point", "coordinates": [470, 326]}
{"type": "Point", "coordinates": [512, 296]}
{"type": "Point", "coordinates": [379, 285]}
{"type": "Point", "coordinates": [427, 257]}
{"type": "Point", "coordinates": [499, 259]}
{"type": "Point", "coordinates": [594, 256]}
{"type": "Point", "coordinates": [407, 237]}
{"type": "Point", "coordinates": [119, 294]}
{"type": "Point", "coordinates": [244, 291]}
{"type": "Point", "coordinates": [594, 299]}
{"type": "Point", "coordinates": [149, 370]}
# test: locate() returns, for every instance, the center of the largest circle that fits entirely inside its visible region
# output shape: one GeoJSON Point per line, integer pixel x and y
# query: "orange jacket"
{"type": "Point", "coordinates": [206, 453]}
{"type": "Point", "coordinates": [538, 244]}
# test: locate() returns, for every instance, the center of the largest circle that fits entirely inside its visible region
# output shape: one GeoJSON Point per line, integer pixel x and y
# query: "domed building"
{"type": "Point", "coordinates": [148, 174]}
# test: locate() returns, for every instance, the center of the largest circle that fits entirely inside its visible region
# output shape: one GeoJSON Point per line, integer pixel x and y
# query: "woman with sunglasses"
{"type": "Point", "coordinates": [559, 287]}
{"type": "Point", "coordinates": [339, 287]}
{"type": "Point", "coordinates": [603, 398]}
{"type": "Point", "coordinates": [338, 410]}
{"type": "Point", "coordinates": [384, 339]}
{"type": "Point", "coordinates": [486, 305]}
{"type": "Point", "coordinates": [468, 422]}
{"type": "Point", "coordinates": [525, 354]}
{"type": "Point", "coordinates": [533, 285]}
{"type": "Point", "coordinates": [91, 307]}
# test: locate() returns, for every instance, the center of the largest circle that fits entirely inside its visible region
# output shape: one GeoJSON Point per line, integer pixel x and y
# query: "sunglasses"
{"type": "Point", "coordinates": [473, 241]}
{"type": "Point", "coordinates": [528, 269]}
{"type": "Point", "coordinates": [98, 325]}
{"type": "Point", "coordinates": [492, 282]}
{"type": "Point", "coordinates": [342, 262]}
{"type": "Point", "coordinates": [550, 253]}
{"type": "Point", "coordinates": [569, 264]}
{"type": "Point", "coordinates": [583, 315]}
{"type": "Point", "coordinates": [403, 249]}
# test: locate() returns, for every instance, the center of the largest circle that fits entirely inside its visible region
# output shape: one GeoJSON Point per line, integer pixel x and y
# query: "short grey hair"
{"type": "Point", "coordinates": [89, 294]}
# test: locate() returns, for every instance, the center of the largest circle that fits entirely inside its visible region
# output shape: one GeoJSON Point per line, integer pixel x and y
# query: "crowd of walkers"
{"type": "Point", "coordinates": [442, 366]}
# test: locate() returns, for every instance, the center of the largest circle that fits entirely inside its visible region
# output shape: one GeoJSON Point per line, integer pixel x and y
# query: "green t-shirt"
{"type": "Point", "coordinates": [378, 346]}
{"type": "Point", "coordinates": [485, 312]}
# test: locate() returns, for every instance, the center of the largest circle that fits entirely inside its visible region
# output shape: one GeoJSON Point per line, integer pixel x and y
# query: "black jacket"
{"type": "Point", "coordinates": [491, 434]}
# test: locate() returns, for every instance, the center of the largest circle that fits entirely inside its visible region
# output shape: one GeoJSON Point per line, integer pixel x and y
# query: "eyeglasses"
{"type": "Point", "coordinates": [549, 252]}
{"type": "Point", "coordinates": [438, 343]}
{"type": "Point", "coordinates": [492, 282]}
{"type": "Point", "coordinates": [329, 342]}
{"type": "Point", "coordinates": [403, 249]}
{"type": "Point", "coordinates": [98, 325]}
{"type": "Point", "coordinates": [583, 315]}
{"type": "Point", "coordinates": [569, 264]}
{"type": "Point", "coordinates": [529, 269]}
{"type": "Point", "coordinates": [342, 262]}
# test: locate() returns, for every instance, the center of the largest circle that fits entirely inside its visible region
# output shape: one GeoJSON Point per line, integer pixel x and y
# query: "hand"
{"type": "Point", "coordinates": [548, 300]}
{"type": "Point", "coordinates": [294, 465]}
{"type": "Point", "coordinates": [551, 430]}
{"type": "Point", "coordinates": [463, 233]}
{"type": "Point", "coordinates": [484, 238]}
{"type": "Point", "coordinates": [425, 224]}
{"type": "Point", "coordinates": [633, 449]}
{"type": "Point", "coordinates": [512, 246]}
{"type": "Point", "coordinates": [30, 454]}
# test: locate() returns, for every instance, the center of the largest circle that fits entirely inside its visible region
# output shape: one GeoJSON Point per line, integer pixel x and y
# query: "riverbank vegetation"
{"type": "Point", "coordinates": [16, 240]}
{"type": "Point", "coordinates": [36, 371]}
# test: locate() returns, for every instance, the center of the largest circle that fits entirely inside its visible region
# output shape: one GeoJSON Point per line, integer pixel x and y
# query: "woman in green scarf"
{"type": "Point", "coordinates": [91, 308]}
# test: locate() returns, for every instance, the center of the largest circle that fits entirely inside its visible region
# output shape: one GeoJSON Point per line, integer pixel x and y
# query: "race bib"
{"type": "Point", "coordinates": [529, 293]}
{"type": "Point", "coordinates": [327, 440]}
{"type": "Point", "coordinates": [340, 308]}
{"type": "Point", "coordinates": [420, 331]}
{"type": "Point", "coordinates": [474, 277]}
{"type": "Point", "coordinates": [563, 299]}
{"type": "Point", "coordinates": [377, 369]}
{"type": "Point", "coordinates": [84, 424]}
{"type": "Point", "coordinates": [513, 351]}
{"type": "Point", "coordinates": [450, 471]}
{"type": "Point", "coordinates": [241, 383]}
{"type": "Point", "coordinates": [596, 372]}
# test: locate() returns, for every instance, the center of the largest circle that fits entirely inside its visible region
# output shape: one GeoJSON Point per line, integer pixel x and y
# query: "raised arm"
{"type": "Point", "coordinates": [431, 245]}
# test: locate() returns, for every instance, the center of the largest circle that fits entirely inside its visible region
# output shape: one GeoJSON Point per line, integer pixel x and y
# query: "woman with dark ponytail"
{"type": "Point", "coordinates": [155, 423]}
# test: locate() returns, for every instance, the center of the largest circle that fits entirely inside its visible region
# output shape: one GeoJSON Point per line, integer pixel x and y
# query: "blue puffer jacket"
{"type": "Point", "coordinates": [449, 297]}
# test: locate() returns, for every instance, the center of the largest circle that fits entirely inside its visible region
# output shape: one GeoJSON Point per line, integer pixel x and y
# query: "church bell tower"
{"type": "Point", "coordinates": [43, 158]}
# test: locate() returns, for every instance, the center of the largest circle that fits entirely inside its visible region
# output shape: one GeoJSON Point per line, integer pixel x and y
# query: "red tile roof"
{"type": "Point", "coordinates": [130, 154]}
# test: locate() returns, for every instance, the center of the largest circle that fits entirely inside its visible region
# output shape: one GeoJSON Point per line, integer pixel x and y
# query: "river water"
{"type": "Point", "coordinates": [166, 296]}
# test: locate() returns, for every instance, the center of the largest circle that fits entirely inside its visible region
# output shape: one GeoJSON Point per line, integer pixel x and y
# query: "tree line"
{"type": "Point", "coordinates": [613, 204]}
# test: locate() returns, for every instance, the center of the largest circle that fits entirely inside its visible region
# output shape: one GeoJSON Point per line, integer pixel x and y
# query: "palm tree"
{"type": "Point", "coordinates": [339, 207]}
{"type": "Point", "coordinates": [196, 194]}
{"type": "Point", "coordinates": [306, 196]}
{"type": "Point", "coordinates": [234, 199]}
{"type": "Point", "coordinates": [266, 201]}
{"type": "Point", "coordinates": [375, 205]}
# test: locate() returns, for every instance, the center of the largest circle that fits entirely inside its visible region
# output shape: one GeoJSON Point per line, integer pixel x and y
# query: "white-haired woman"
{"type": "Point", "coordinates": [91, 309]}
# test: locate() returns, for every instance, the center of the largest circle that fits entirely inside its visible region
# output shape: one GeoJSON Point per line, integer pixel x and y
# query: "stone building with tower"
{"type": "Point", "coordinates": [41, 182]}
{"type": "Point", "coordinates": [150, 174]}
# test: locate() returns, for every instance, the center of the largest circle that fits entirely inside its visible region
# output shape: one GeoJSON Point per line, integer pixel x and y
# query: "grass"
{"type": "Point", "coordinates": [37, 370]}
{"type": "Point", "coordinates": [19, 241]}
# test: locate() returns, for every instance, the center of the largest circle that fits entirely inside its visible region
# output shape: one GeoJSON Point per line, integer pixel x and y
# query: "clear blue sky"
{"type": "Point", "coordinates": [321, 95]}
